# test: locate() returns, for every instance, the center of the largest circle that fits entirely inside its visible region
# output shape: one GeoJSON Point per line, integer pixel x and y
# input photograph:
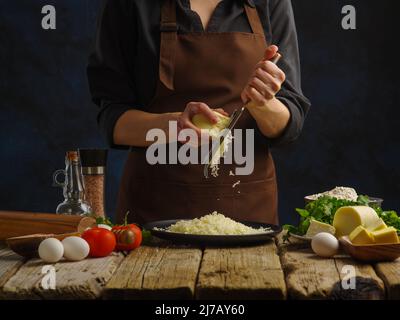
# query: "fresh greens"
{"type": "Point", "coordinates": [389, 217]}
{"type": "Point", "coordinates": [104, 220]}
{"type": "Point", "coordinates": [323, 209]}
{"type": "Point", "coordinates": [147, 237]}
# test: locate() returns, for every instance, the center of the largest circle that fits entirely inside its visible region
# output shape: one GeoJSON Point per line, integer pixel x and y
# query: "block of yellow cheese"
{"type": "Point", "coordinates": [346, 219]}
{"type": "Point", "coordinates": [202, 122]}
{"type": "Point", "coordinates": [387, 235]}
{"type": "Point", "coordinates": [378, 225]}
{"type": "Point", "coordinates": [318, 227]}
{"type": "Point", "coordinates": [361, 235]}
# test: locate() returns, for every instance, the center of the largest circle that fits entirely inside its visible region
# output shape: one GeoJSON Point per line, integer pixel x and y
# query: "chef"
{"type": "Point", "coordinates": [158, 61]}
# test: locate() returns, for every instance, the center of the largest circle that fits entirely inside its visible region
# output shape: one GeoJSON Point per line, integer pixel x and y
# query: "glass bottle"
{"type": "Point", "coordinates": [73, 187]}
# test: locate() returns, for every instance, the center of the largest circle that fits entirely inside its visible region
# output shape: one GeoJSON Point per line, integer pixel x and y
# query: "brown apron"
{"type": "Point", "coordinates": [212, 68]}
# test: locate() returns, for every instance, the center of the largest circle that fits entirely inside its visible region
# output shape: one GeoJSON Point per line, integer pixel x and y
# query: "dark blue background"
{"type": "Point", "coordinates": [350, 137]}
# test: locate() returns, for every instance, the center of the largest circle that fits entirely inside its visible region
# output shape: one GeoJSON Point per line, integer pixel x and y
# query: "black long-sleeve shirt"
{"type": "Point", "coordinates": [123, 70]}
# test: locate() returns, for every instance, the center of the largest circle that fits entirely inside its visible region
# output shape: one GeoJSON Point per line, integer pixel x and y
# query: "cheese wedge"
{"type": "Point", "coordinates": [346, 219]}
{"type": "Point", "coordinates": [387, 235]}
{"type": "Point", "coordinates": [361, 235]}
{"type": "Point", "coordinates": [379, 225]}
{"type": "Point", "coordinates": [318, 227]}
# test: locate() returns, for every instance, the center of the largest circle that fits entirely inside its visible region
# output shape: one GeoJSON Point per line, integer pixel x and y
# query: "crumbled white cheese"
{"type": "Point", "coordinates": [214, 224]}
{"type": "Point", "coordinates": [214, 170]}
{"type": "Point", "coordinates": [344, 193]}
{"type": "Point", "coordinates": [236, 184]}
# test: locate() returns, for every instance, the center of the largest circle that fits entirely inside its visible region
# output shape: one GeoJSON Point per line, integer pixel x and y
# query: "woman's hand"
{"type": "Point", "coordinates": [193, 108]}
{"type": "Point", "coordinates": [265, 82]}
{"type": "Point", "coordinates": [271, 115]}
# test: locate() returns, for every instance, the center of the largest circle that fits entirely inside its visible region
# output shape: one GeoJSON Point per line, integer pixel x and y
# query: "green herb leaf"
{"type": "Point", "coordinates": [146, 236]}
{"type": "Point", "coordinates": [104, 220]}
{"type": "Point", "coordinates": [363, 200]}
{"type": "Point", "coordinates": [391, 218]}
{"type": "Point", "coordinates": [303, 212]}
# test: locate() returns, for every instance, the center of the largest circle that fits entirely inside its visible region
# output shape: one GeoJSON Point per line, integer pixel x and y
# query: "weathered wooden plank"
{"type": "Point", "coordinates": [241, 273]}
{"type": "Point", "coordinates": [308, 276]}
{"type": "Point", "coordinates": [9, 264]}
{"type": "Point", "coordinates": [311, 277]}
{"type": "Point", "coordinates": [74, 280]}
{"type": "Point", "coordinates": [368, 286]}
{"type": "Point", "coordinates": [152, 272]}
{"type": "Point", "coordinates": [389, 272]}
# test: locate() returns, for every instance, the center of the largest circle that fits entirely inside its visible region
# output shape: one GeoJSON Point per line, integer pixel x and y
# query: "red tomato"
{"type": "Point", "coordinates": [129, 237]}
{"type": "Point", "coordinates": [101, 241]}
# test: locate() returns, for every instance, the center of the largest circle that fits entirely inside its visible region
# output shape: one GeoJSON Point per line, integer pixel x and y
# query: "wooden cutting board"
{"type": "Point", "coordinates": [16, 224]}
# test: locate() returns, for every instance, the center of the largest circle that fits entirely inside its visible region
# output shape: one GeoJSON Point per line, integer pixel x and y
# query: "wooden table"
{"type": "Point", "coordinates": [274, 270]}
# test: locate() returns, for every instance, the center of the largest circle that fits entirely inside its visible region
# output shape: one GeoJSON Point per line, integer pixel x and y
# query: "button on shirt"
{"type": "Point", "coordinates": [123, 69]}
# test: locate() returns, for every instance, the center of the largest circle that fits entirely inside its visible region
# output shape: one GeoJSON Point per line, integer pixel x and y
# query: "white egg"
{"type": "Point", "coordinates": [325, 245]}
{"type": "Point", "coordinates": [75, 248]}
{"type": "Point", "coordinates": [51, 250]}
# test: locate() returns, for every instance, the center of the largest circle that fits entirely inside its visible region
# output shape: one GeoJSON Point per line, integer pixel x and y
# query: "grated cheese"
{"type": "Point", "coordinates": [216, 158]}
{"type": "Point", "coordinates": [236, 184]}
{"type": "Point", "coordinates": [214, 170]}
{"type": "Point", "coordinates": [214, 224]}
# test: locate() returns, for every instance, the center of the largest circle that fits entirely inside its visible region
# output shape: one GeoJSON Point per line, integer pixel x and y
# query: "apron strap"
{"type": "Point", "coordinates": [254, 19]}
{"type": "Point", "coordinates": [169, 38]}
{"type": "Point", "coordinates": [168, 30]}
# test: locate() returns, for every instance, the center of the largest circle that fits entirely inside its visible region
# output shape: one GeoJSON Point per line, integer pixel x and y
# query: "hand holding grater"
{"type": "Point", "coordinates": [234, 119]}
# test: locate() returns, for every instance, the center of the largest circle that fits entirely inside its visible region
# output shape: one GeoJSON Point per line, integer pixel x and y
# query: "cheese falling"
{"type": "Point", "coordinates": [214, 130]}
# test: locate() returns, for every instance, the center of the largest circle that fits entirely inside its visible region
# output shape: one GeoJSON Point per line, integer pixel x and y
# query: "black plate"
{"type": "Point", "coordinates": [212, 240]}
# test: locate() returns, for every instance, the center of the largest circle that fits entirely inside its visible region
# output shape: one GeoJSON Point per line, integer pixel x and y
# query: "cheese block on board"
{"type": "Point", "coordinates": [388, 236]}
{"type": "Point", "coordinates": [361, 236]}
{"type": "Point", "coordinates": [318, 227]}
{"type": "Point", "coordinates": [346, 219]}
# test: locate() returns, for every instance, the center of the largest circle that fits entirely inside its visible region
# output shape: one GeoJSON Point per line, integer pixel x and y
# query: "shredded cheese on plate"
{"type": "Point", "coordinates": [214, 224]}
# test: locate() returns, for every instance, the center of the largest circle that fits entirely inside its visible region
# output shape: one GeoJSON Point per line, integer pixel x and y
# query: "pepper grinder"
{"type": "Point", "coordinates": [94, 163]}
